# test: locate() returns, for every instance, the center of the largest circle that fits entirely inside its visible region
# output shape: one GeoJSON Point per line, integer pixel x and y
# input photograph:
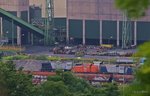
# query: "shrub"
{"type": "Point", "coordinates": [16, 57]}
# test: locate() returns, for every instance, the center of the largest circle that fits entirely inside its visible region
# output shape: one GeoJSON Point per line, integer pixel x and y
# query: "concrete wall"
{"type": "Point", "coordinates": [60, 8]}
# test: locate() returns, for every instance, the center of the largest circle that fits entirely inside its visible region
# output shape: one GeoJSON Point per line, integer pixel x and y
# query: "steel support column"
{"type": "Point", "coordinates": [67, 24]}
{"type": "Point", "coordinates": [101, 30]}
{"type": "Point", "coordinates": [12, 31]}
{"type": "Point", "coordinates": [67, 31]}
{"type": "Point", "coordinates": [135, 33]}
{"type": "Point", "coordinates": [29, 33]}
{"type": "Point", "coordinates": [1, 27]}
{"type": "Point", "coordinates": [32, 35]}
{"type": "Point", "coordinates": [18, 30]}
{"type": "Point", "coordinates": [83, 33]}
{"type": "Point", "coordinates": [118, 36]}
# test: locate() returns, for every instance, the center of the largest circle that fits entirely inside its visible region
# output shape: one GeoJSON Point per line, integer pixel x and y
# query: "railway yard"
{"type": "Point", "coordinates": [112, 65]}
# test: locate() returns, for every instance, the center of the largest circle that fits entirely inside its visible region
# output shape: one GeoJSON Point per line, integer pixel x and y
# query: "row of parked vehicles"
{"type": "Point", "coordinates": [93, 51]}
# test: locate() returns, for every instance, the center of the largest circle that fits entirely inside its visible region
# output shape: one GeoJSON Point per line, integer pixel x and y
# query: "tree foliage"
{"type": "Point", "coordinates": [67, 84]}
{"type": "Point", "coordinates": [141, 86]}
{"type": "Point", "coordinates": [134, 8]}
{"type": "Point", "coordinates": [14, 83]}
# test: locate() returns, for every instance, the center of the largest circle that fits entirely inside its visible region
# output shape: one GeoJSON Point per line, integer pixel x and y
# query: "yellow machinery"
{"type": "Point", "coordinates": [106, 45]}
{"type": "Point", "coordinates": [12, 48]}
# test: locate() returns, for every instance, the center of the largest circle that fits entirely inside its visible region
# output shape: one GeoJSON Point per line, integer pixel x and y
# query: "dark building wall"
{"type": "Point", "coordinates": [7, 28]}
{"type": "Point", "coordinates": [35, 12]}
{"type": "Point", "coordinates": [143, 32]}
{"type": "Point", "coordinates": [60, 29]}
{"type": "Point", "coordinates": [24, 32]}
{"type": "Point", "coordinates": [75, 30]}
{"type": "Point", "coordinates": [60, 22]}
{"type": "Point", "coordinates": [92, 28]}
{"type": "Point", "coordinates": [109, 29]}
{"type": "Point", "coordinates": [24, 15]}
{"type": "Point", "coordinates": [92, 32]}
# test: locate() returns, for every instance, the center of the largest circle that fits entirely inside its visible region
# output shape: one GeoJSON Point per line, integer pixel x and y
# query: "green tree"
{"type": "Point", "coordinates": [51, 88]}
{"type": "Point", "coordinates": [3, 88]}
{"type": "Point", "coordinates": [67, 84]}
{"type": "Point", "coordinates": [111, 89]}
{"type": "Point", "coordinates": [141, 86]}
{"type": "Point", "coordinates": [134, 8]}
{"type": "Point", "coordinates": [14, 83]}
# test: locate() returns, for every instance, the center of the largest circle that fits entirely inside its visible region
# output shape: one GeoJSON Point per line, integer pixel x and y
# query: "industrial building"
{"type": "Point", "coordinates": [100, 22]}
{"type": "Point", "coordinates": [29, 28]}
{"type": "Point", "coordinates": [75, 21]}
{"type": "Point", "coordinates": [59, 16]}
{"type": "Point", "coordinates": [15, 26]}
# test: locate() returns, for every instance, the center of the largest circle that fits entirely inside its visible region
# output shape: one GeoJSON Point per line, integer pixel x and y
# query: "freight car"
{"type": "Point", "coordinates": [104, 69]}
{"type": "Point", "coordinates": [87, 68]}
{"type": "Point", "coordinates": [125, 61]}
{"type": "Point", "coordinates": [116, 69]}
{"type": "Point", "coordinates": [52, 66]}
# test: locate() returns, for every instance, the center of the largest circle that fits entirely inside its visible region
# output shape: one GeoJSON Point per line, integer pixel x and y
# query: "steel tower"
{"type": "Point", "coordinates": [49, 22]}
{"type": "Point", "coordinates": [126, 32]}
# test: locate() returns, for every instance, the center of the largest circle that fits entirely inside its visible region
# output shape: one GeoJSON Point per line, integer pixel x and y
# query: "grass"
{"type": "Point", "coordinates": [53, 58]}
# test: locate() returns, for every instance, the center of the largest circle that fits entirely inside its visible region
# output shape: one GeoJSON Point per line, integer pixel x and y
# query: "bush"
{"type": "Point", "coordinates": [16, 57]}
{"type": "Point", "coordinates": [42, 57]}
{"type": "Point", "coordinates": [54, 58]}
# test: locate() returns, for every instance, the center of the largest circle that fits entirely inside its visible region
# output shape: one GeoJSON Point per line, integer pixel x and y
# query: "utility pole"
{"type": "Point", "coordinates": [49, 22]}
